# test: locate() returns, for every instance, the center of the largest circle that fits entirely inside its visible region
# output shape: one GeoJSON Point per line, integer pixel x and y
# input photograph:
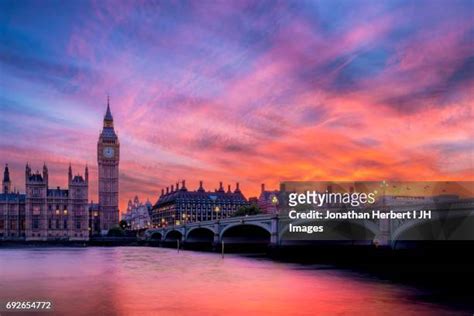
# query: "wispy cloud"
{"type": "Point", "coordinates": [248, 91]}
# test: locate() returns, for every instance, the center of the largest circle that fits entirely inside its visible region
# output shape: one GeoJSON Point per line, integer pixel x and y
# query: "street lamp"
{"type": "Point", "coordinates": [274, 200]}
{"type": "Point", "coordinates": [217, 210]}
{"type": "Point", "coordinates": [383, 185]}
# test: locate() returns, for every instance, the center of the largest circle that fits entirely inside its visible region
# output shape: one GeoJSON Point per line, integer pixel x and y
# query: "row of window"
{"type": "Point", "coordinates": [13, 224]}
{"type": "Point", "coordinates": [56, 224]}
{"type": "Point", "coordinates": [177, 218]}
{"type": "Point", "coordinates": [52, 224]}
{"type": "Point", "coordinates": [57, 235]}
{"type": "Point", "coordinates": [194, 203]}
{"type": "Point", "coordinates": [64, 207]}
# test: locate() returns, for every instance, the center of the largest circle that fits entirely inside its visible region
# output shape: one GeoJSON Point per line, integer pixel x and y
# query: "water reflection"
{"type": "Point", "coordinates": [127, 281]}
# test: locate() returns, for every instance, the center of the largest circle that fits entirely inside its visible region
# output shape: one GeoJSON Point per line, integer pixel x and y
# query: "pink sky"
{"type": "Point", "coordinates": [239, 92]}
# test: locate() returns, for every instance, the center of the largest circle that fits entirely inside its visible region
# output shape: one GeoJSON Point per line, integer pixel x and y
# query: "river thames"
{"type": "Point", "coordinates": [159, 281]}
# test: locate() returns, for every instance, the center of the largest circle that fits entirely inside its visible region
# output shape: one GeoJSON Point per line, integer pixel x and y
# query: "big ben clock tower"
{"type": "Point", "coordinates": [108, 156]}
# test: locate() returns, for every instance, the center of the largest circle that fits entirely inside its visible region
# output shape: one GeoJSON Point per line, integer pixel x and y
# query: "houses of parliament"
{"type": "Point", "coordinates": [44, 213]}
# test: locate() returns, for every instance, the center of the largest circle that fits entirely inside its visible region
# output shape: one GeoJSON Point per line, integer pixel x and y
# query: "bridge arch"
{"type": "Point", "coordinates": [173, 235]}
{"type": "Point", "coordinates": [252, 233]}
{"type": "Point", "coordinates": [452, 226]}
{"type": "Point", "coordinates": [156, 236]}
{"type": "Point", "coordinates": [200, 234]}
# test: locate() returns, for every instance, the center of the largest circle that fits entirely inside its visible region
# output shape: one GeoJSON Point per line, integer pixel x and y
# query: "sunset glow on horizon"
{"type": "Point", "coordinates": [241, 91]}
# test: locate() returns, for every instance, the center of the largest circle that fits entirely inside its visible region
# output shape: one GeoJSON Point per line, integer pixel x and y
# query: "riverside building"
{"type": "Point", "coordinates": [177, 205]}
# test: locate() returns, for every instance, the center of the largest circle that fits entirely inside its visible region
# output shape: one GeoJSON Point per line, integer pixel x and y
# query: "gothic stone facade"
{"type": "Point", "coordinates": [41, 213]}
{"type": "Point", "coordinates": [137, 215]}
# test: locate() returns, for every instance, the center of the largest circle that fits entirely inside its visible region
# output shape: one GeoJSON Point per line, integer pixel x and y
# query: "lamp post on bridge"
{"type": "Point", "coordinates": [217, 210]}
{"type": "Point", "coordinates": [384, 224]}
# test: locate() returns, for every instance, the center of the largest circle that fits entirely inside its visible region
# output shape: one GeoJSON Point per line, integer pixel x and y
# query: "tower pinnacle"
{"type": "Point", "coordinates": [108, 113]}
{"type": "Point", "coordinates": [108, 118]}
{"type": "Point", "coordinates": [6, 180]}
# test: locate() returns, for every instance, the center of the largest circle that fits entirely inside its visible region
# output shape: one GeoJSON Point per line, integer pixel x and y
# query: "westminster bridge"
{"type": "Point", "coordinates": [449, 221]}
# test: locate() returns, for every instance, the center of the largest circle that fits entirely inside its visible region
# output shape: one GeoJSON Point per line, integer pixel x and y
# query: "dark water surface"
{"type": "Point", "coordinates": [158, 281]}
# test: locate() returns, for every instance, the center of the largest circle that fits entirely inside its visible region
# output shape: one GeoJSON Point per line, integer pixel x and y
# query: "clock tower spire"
{"type": "Point", "coordinates": [108, 118]}
{"type": "Point", "coordinates": [108, 156]}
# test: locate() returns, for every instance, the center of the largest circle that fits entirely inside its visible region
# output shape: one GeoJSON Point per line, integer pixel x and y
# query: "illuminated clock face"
{"type": "Point", "coordinates": [108, 152]}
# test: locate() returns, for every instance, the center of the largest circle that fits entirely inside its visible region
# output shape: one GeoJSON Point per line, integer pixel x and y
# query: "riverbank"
{"type": "Point", "coordinates": [95, 241]}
